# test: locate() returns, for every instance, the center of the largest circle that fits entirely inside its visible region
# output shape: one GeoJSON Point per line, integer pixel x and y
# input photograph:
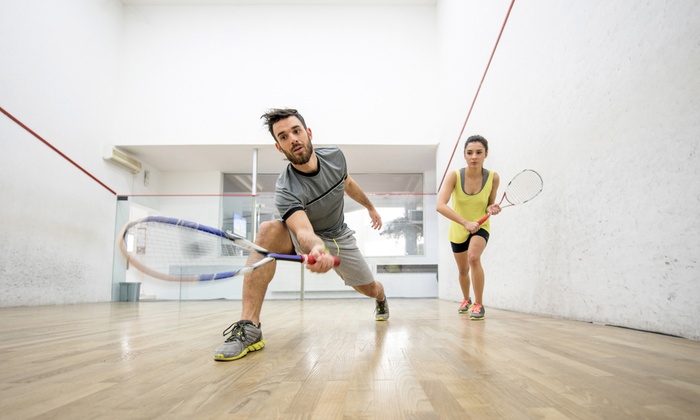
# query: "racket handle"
{"type": "Point", "coordinates": [309, 259]}
{"type": "Point", "coordinates": [483, 219]}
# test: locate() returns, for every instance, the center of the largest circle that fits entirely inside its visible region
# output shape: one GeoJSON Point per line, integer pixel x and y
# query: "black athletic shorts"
{"type": "Point", "coordinates": [457, 248]}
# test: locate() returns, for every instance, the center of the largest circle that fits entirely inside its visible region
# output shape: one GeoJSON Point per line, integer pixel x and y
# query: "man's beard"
{"type": "Point", "coordinates": [302, 159]}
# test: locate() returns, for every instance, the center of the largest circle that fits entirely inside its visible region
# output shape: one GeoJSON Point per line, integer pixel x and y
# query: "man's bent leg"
{"type": "Point", "coordinates": [274, 237]}
{"type": "Point", "coordinates": [246, 335]}
{"type": "Point", "coordinates": [376, 290]}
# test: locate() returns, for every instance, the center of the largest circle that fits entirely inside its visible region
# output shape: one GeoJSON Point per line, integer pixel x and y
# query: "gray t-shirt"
{"type": "Point", "coordinates": [321, 194]}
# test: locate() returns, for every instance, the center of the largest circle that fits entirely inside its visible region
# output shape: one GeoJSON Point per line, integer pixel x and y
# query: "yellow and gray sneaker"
{"type": "Point", "coordinates": [465, 306]}
{"type": "Point", "coordinates": [477, 312]}
{"type": "Point", "coordinates": [245, 337]}
{"type": "Point", "coordinates": [381, 311]}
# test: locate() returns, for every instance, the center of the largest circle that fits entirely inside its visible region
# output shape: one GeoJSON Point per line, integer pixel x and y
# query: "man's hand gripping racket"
{"type": "Point", "coordinates": [522, 188]}
{"type": "Point", "coordinates": [178, 250]}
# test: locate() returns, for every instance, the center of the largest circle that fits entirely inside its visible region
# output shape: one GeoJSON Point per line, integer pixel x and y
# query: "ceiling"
{"type": "Point", "coordinates": [363, 161]}
{"type": "Point", "coordinates": [239, 158]}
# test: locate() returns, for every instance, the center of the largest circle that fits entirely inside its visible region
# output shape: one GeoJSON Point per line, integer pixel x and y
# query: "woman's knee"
{"type": "Point", "coordinates": [474, 260]}
{"type": "Point", "coordinates": [462, 263]}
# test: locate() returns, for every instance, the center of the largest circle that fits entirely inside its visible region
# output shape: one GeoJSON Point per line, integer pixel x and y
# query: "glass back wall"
{"type": "Point", "coordinates": [403, 254]}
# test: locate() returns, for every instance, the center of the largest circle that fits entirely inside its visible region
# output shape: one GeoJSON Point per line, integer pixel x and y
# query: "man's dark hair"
{"type": "Point", "coordinates": [478, 138]}
{"type": "Point", "coordinates": [276, 114]}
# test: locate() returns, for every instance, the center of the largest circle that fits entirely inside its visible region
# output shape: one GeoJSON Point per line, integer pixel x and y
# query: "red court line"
{"type": "Point", "coordinates": [476, 95]}
{"type": "Point", "coordinates": [259, 195]}
{"type": "Point", "coordinates": [10, 116]}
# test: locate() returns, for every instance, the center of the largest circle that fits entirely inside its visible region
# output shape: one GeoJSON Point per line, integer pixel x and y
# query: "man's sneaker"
{"type": "Point", "coordinates": [245, 336]}
{"type": "Point", "coordinates": [381, 312]}
{"type": "Point", "coordinates": [466, 306]}
{"type": "Point", "coordinates": [477, 312]}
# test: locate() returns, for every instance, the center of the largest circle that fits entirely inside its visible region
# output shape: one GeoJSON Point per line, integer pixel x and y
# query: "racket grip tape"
{"type": "Point", "coordinates": [309, 259]}
{"type": "Point", "coordinates": [483, 219]}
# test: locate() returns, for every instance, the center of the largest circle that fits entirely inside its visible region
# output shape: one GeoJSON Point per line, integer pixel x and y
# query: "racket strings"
{"type": "Point", "coordinates": [524, 187]}
{"type": "Point", "coordinates": [180, 251]}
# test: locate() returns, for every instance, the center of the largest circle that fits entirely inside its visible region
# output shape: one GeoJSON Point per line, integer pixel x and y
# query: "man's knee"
{"type": "Point", "coordinates": [274, 236]}
{"type": "Point", "coordinates": [371, 290]}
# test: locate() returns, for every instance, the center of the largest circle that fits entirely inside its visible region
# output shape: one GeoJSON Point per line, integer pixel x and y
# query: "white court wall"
{"type": "Point", "coordinates": [58, 72]}
{"type": "Point", "coordinates": [602, 99]}
{"type": "Point", "coordinates": [205, 74]}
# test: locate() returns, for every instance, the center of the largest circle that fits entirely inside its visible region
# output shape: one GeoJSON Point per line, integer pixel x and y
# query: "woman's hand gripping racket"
{"type": "Point", "coordinates": [178, 250]}
{"type": "Point", "coordinates": [522, 188]}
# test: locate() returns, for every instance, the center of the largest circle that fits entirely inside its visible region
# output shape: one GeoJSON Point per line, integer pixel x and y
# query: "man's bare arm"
{"type": "Point", "coordinates": [355, 192]}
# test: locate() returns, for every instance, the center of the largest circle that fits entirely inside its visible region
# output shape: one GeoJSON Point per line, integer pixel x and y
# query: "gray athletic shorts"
{"type": "Point", "coordinates": [353, 268]}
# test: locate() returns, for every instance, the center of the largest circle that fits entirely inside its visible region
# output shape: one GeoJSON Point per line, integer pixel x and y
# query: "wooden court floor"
{"type": "Point", "coordinates": [328, 359]}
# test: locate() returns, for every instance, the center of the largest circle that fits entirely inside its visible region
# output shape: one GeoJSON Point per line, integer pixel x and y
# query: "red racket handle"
{"type": "Point", "coordinates": [309, 259]}
{"type": "Point", "coordinates": [483, 219]}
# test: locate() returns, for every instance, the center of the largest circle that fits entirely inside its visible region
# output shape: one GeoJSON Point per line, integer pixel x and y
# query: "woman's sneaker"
{"type": "Point", "coordinates": [465, 306]}
{"type": "Point", "coordinates": [245, 337]}
{"type": "Point", "coordinates": [477, 312]}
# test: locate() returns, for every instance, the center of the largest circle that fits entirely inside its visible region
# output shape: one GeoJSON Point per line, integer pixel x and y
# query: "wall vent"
{"type": "Point", "coordinates": [122, 159]}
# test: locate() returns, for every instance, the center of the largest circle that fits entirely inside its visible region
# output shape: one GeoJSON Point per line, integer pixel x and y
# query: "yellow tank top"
{"type": "Point", "coordinates": [471, 207]}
